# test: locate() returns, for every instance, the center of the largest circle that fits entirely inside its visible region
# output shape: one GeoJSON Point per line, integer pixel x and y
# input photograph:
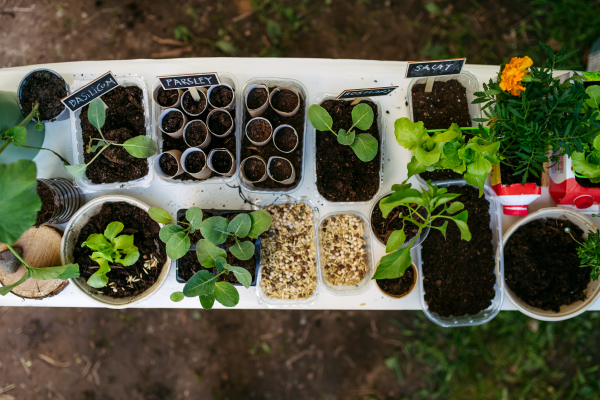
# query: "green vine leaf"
{"type": "Point", "coordinates": [202, 283]}
{"type": "Point", "coordinates": [394, 265]}
{"type": "Point", "coordinates": [178, 245]}
{"type": "Point", "coordinates": [207, 301]}
{"type": "Point", "coordinates": [177, 296]}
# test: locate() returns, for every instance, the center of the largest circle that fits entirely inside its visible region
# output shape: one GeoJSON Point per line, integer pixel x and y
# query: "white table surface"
{"type": "Point", "coordinates": [318, 75]}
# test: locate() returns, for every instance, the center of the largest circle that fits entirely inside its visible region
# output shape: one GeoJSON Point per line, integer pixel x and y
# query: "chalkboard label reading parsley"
{"type": "Point", "coordinates": [188, 81]}
{"type": "Point", "coordinates": [354, 93]}
{"type": "Point", "coordinates": [91, 91]}
{"type": "Point", "coordinates": [421, 69]}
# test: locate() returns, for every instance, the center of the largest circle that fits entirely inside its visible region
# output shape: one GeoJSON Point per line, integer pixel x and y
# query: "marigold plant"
{"type": "Point", "coordinates": [514, 73]}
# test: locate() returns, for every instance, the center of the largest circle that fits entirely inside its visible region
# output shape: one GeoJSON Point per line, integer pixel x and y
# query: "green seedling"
{"type": "Point", "coordinates": [589, 252]}
{"type": "Point", "coordinates": [587, 162]}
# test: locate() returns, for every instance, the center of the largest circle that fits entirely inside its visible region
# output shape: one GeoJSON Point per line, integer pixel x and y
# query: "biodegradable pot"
{"type": "Point", "coordinates": [158, 169]}
{"type": "Point", "coordinates": [209, 116]}
{"type": "Point", "coordinates": [257, 112]}
{"type": "Point", "coordinates": [400, 296]}
{"type": "Point", "coordinates": [179, 132]}
{"type": "Point", "coordinates": [64, 115]}
{"type": "Point", "coordinates": [210, 161]}
{"type": "Point", "coordinates": [277, 130]}
{"type": "Point", "coordinates": [69, 240]}
{"type": "Point", "coordinates": [202, 95]}
{"type": "Point", "coordinates": [264, 141]}
{"type": "Point", "coordinates": [204, 173]}
{"type": "Point", "coordinates": [229, 106]}
{"type": "Point", "coordinates": [289, 180]}
{"type": "Point", "coordinates": [243, 171]}
{"type": "Point", "coordinates": [68, 198]}
{"type": "Point", "coordinates": [282, 113]}
{"type": "Point", "coordinates": [593, 289]}
{"type": "Point", "coordinates": [177, 103]}
{"type": "Point", "coordinates": [11, 115]}
{"type": "Point", "coordinates": [206, 142]}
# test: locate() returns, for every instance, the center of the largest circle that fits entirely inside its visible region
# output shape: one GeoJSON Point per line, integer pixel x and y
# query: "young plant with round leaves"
{"type": "Point", "coordinates": [589, 252]}
{"type": "Point", "coordinates": [109, 249]}
{"type": "Point", "coordinates": [139, 147]}
{"type": "Point", "coordinates": [437, 203]}
{"type": "Point", "coordinates": [363, 144]}
{"type": "Point", "coordinates": [176, 237]}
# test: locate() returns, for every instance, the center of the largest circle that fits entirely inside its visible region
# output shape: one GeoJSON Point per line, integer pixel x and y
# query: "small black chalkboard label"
{"type": "Point", "coordinates": [354, 93]}
{"type": "Point", "coordinates": [188, 81]}
{"type": "Point", "coordinates": [91, 91]}
{"type": "Point", "coordinates": [421, 69]}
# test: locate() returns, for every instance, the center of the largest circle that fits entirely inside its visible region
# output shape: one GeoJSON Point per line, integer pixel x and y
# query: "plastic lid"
{"type": "Point", "coordinates": [585, 201]}
{"type": "Point", "coordinates": [516, 210]}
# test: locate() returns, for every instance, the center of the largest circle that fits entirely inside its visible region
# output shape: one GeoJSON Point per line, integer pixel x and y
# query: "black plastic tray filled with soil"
{"type": "Point", "coordinates": [47, 89]}
{"type": "Point", "coordinates": [341, 175]}
{"type": "Point", "coordinates": [459, 276]}
{"type": "Point", "coordinates": [124, 120]}
{"type": "Point", "coordinates": [398, 286]}
{"type": "Point", "coordinates": [541, 265]}
{"type": "Point", "coordinates": [269, 150]}
{"type": "Point", "coordinates": [145, 231]}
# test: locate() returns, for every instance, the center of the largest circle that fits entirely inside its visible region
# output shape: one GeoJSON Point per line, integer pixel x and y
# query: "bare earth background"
{"type": "Point", "coordinates": [237, 354]}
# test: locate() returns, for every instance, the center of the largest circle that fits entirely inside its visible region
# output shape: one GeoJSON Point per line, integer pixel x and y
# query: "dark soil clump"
{"type": "Point", "coordinates": [398, 286]}
{"type": "Point", "coordinates": [445, 104]}
{"type": "Point", "coordinates": [168, 164]}
{"type": "Point", "coordinates": [172, 122]}
{"type": "Point", "coordinates": [195, 161]}
{"type": "Point", "coordinates": [285, 139]}
{"type": "Point", "coordinates": [383, 227]}
{"type": "Point", "coordinates": [257, 97]}
{"type": "Point", "coordinates": [254, 169]}
{"type": "Point", "coordinates": [47, 89]}
{"type": "Point", "coordinates": [118, 154]}
{"type": "Point", "coordinates": [221, 162]}
{"type": "Point", "coordinates": [259, 130]}
{"type": "Point", "coordinates": [284, 100]}
{"type": "Point", "coordinates": [221, 96]}
{"type": "Point", "coordinates": [507, 177]}
{"type": "Point", "coordinates": [440, 175]}
{"type": "Point", "coordinates": [48, 205]}
{"type": "Point", "coordinates": [280, 169]}
{"type": "Point", "coordinates": [220, 122]}
{"type": "Point", "coordinates": [196, 133]}
{"type": "Point", "coordinates": [167, 98]}
{"type": "Point", "coordinates": [191, 106]}
{"type": "Point", "coordinates": [542, 266]}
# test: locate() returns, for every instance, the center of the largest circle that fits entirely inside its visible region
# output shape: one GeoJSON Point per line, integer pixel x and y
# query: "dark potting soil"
{"type": "Point", "coordinates": [196, 133]}
{"type": "Point", "coordinates": [284, 100]}
{"type": "Point", "coordinates": [458, 276]}
{"type": "Point", "coordinates": [145, 231]}
{"type": "Point", "coordinates": [188, 265]}
{"type": "Point", "coordinates": [221, 162]}
{"type": "Point", "coordinates": [268, 150]}
{"type": "Point", "coordinates": [586, 183]}
{"type": "Point", "coordinates": [248, 265]}
{"type": "Point", "coordinates": [398, 286]}
{"type": "Point", "coordinates": [254, 169]}
{"type": "Point", "coordinates": [47, 89]}
{"type": "Point", "coordinates": [167, 98]}
{"type": "Point", "coordinates": [541, 265]}
{"type": "Point", "coordinates": [118, 154]}
{"type": "Point", "coordinates": [192, 106]}
{"type": "Point", "coordinates": [172, 122]}
{"type": "Point", "coordinates": [257, 97]}
{"type": "Point", "coordinates": [285, 139]}
{"type": "Point", "coordinates": [221, 96]}
{"type": "Point", "coordinates": [220, 122]}
{"type": "Point", "coordinates": [48, 205]}
{"type": "Point", "coordinates": [440, 175]}
{"type": "Point", "coordinates": [168, 164]}
{"type": "Point", "coordinates": [124, 110]}
{"type": "Point", "coordinates": [383, 227]}
{"type": "Point", "coordinates": [445, 104]}
{"type": "Point", "coordinates": [195, 161]}
{"type": "Point", "coordinates": [341, 176]}
{"type": "Point", "coordinates": [507, 177]}
{"type": "Point", "coordinates": [280, 169]}
{"type": "Point", "coordinates": [259, 130]}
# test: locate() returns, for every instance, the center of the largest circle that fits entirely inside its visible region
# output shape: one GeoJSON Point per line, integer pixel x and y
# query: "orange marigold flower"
{"type": "Point", "coordinates": [513, 75]}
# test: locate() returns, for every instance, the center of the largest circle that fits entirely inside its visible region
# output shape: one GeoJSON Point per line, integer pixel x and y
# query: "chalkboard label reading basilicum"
{"type": "Point", "coordinates": [422, 69]}
{"type": "Point", "coordinates": [91, 91]}
{"type": "Point", "coordinates": [354, 93]}
{"type": "Point", "coordinates": [188, 81]}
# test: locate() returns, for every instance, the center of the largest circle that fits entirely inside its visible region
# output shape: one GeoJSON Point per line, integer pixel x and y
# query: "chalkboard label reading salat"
{"type": "Point", "coordinates": [91, 91]}
{"type": "Point", "coordinates": [188, 81]}
{"type": "Point", "coordinates": [354, 93]}
{"type": "Point", "coordinates": [422, 69]}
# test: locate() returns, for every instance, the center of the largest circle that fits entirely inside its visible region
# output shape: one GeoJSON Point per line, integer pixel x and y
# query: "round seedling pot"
{"type": "Point", "coordinates": [217, 124]}
{"type": "Point", "coordinates": [281, 135]}
{"type": "Point", "coordinates": [279, 163]}
{"type": "Point", "coordinates": [60, 200]}
{"type": "Point", "coordinates": [218, 94]}
{"type": "Point", "coordinates": [175, 132]}
{"type": "Point", "coordinates": [69, 240]}
{"type": "Point", "coordinates": [187, 101]}
{"type": "Point", "coordinates": [259, 131]}
{"type": "Point", "coordinates": [159, 90]}
{"type": "Point", "coordinates": [23, 88]}
{"type": "Point", "coordinates": [175, 154]}
{"type": "Point", "coordinates": [204, 172]}
{"type": "Point", "coordinates": [193, 132]}
{"type": "Point", "coordinates": [280, 98]}
{"type": "Point", "coordinates": [400, 296]}
{"type": "Point", "coordinates": [253, 176]}
{"type": "Point", "coordinates": [593, 289]}
{"type": "Point", "coordinates": [218, 161]}
{"type": "Point", "coordinates": [255, 104]}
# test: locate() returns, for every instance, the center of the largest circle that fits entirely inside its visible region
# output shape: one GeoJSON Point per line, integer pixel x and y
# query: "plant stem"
{"type": "Point", "coordinates": [5, 144]}
{"type": "Point", "coordinates": [18, 256]}
{"type": "Point", "coordinates": [43, 148]}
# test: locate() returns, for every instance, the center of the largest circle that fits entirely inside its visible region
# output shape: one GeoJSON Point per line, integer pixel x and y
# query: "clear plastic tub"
{"type": "Point", "coordinates": [489, 313]}
{"type": "Point", "coordinates": [237, 133]}
{"type": "Point", "coordinates": [303, 92]}
{"type": "Point", "coordinates": [362, 286]}
{"type": "Point", "coordinates": [320, 98]}
{"type": "Point", "coordinates": [263, 299]}
{"type": "Point", "coordinates": [78, 145]}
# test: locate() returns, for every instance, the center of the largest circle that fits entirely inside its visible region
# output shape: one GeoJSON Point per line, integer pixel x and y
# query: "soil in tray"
{"type": "Point", "coordinates": [248, 265]}
{"type": "Point", "coordinates": [445, 104]}
{"type": "Point", "coordinates": [398, 286]}
{"type": "Point", "coordinates": [48, 206]}
{"type": "Point", "coordinates": [257, 97]}
{"type": "Point", "coordinates": [172, 122]}
{"type": "Point", "coordinates": [167, 98]}
{"type": "Point", "coordinates": [383, 227]}
{"type": "Point", "coordinates": [196, 133]}
{"type": "Point", "coordinates": [221, 96]}
{"type": "Point", "coordinates": [285, 139]}
{"type": "Point", "coordinates": [341, 176]}
{"type": "Point", "coordinates": [280, 169]}
{"type": "Point", "coordinates": [541, 265]}
{"type": "Point", "coordinates": [124, 110]}
{"type": "Point", "coordinates": [188, 265]}
{"type": "Point", "coordinates": [145, 231]}
{"type": "Point", "coordinates": [219, 123]}
{"type": "Point", "coordinates": [507, 177]}
{"type": "Point", "coordinates": [254, 169]}
{"type": "Point", "coordinates": [586, 183]}
{"type": "Point", "coordinates": [284, 100]}
{"type": "Point", "coordinates": [458, 276]}
{"type": "Point", "coordinates": [195, 161]}
{"type": "Point", "coordinates": [269, 150]}
{"type": "Point", "coordinates": [47, 89]}
{"type": "Point", "coordinates": [191, 106]}
{"type": "Point", "coordinates": [168, 164]}
{"type": "Point", "coordinates": [221, 162]}
{"type": "Point", "coordinates": [259, 130]}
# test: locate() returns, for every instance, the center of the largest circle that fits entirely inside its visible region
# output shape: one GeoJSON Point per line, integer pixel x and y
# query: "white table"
{"type": "Point", "coordinates": [318, 75]}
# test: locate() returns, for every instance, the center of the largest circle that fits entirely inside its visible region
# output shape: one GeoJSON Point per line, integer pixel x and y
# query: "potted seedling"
{"type": "Point", "coordinates": [40, 92]}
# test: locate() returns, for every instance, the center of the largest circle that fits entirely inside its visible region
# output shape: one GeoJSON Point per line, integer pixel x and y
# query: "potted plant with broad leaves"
{"type": "Point", "coordinates": [211, 252]}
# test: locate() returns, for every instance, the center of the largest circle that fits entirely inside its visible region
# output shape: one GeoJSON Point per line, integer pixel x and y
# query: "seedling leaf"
{"type": "Point", "coordinates": [242, 250]}
{"type": "Point", "coordinates": [240, 225]}
{"type": "Point", "coordinates": [362, 116]}
{"type": "Point", "coordinates": [319, 118]}
{"type": "Point", "coordinates": [261, 221]}
{"type": "Point", "coordinates": [226, 294]}
{"type": "Point", "coordinates": [159, 215]}
{"type": "Point", "coordinates": [141, 146]}
{"type": "Point", "coordinates": [365, 147]}
{"type": "Point", "coordinates": [214, 229]}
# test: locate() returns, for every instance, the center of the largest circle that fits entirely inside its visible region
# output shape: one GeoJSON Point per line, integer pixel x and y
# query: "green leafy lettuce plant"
{"type": "Point", "coordinates": [587, 162]}
{"type": "Point", "coordinates": [363, 144]}
{"type": "Point", "coordinates": [448, 149]}
{"type": "Point", "coordinates": [110, 248]}
{"type": "Point", "coordinates": [589, 252]}
{"type": "Point", "coordinates": [139, 147]}
{"type": "Point", "coordinates": [437, 203]}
